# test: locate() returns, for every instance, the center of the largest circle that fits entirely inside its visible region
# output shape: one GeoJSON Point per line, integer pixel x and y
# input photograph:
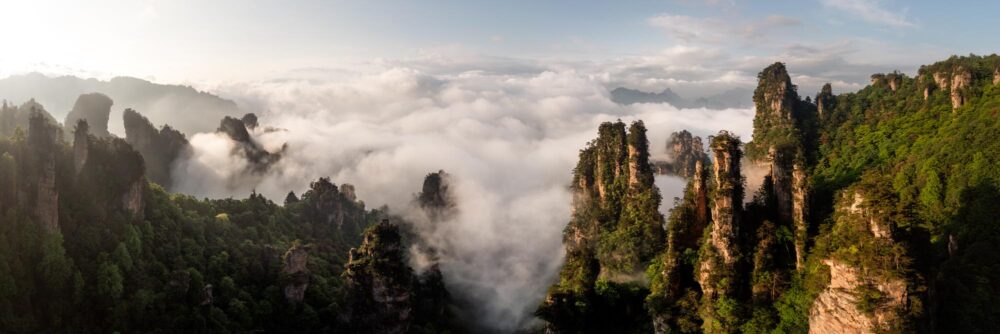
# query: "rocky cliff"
{"type": "Point", "coordinates": [718, 273]}
{"type": "Point", "coordinates": [380, 283]}
{"type": "Point", "coordinates": [785, 128]}
{"type": "Point", "coordinates": [43, 144]}
{"type": "Point", "coordinates": [159, 148]}
{"type": "Point", "coordinates": [864, 295]}
{"type": "Point", "coordinates": [615, 232]}
{"type": "Point", "coordinates": [95, 108]}
{"type": "Point", "coordinates": [295, 262]}
{"type": "Point", "coordinates": [258, 158]}
{"type": "Point", "coordinates": [684, 151]}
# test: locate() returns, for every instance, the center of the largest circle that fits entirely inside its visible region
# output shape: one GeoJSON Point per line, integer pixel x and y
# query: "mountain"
{"type": "Point", "coordinates": [875, 215]}
{"type": "Point", "coordinates": [733, 98]}
{"type": "Point", "coordinates": [183, 107]}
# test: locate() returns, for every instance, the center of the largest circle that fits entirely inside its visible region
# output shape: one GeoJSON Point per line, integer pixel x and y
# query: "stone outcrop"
{"type": "Point", "coordinates": [42, 145]}
{"type": "Point", "coordinates": [132, 200]}
{"type": "Point", "coordinates": [960, 81]}
{"type": "Point", "coordinates": [159, 148]}
{"type": "Point", "coordinates": [836, 309]}
{"type": "Point", "coordinates": [436, 198]}
{"type": "Point", "coordinates": [800, 209]}
{"type": "Point", "coordinates": [861, 299]}
{"type": "Point", "coordinates": [683, 152]}
{"type": "Point", "coordinates": [893, 80]}
{"type": "Point", "coordinates": [786, 142]}
{"type": "Point", "coordinates": [295, 268]}
{"type": "Point", "coordinates": [81, 145]}
{"type": "Point", "coordinates": [258, 159]}
{"type": "Point", "coordinates": [717, 273]}
{"type": "Point", "coordinates": [95, 108]}
{"type": "Point", "coordinates": [379, 283]}
{"type": "Point", "coordinates": [825, 101]}
{"type": "Point", "coordinates": [996, 76]}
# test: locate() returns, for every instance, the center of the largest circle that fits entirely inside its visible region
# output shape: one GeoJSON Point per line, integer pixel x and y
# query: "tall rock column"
{"type": "Point", "coordinates": [718, 274]}
{"type": "Point", "coordinates": [42, 143]}
{"type": "Point", "coordinates": [800, 209]}
{"type": "Point", "coordinates": [784, 135]}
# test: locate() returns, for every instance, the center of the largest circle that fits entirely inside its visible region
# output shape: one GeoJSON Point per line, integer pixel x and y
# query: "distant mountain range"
{"type": "Point", "coordinates": [183, 107]}
{"type": "Point", "coordinates": [733, 98]}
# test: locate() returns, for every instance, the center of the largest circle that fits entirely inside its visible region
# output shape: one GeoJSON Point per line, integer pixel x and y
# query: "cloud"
{"type": "Point", "coordinates": [871, 11]}
{"type": "Point", "coordinates": [756, 30]}
{"type": "Point", "coordinates": [712, 30]}
{"type": "Point", "coordinates": [692, 29]}
{"type": "Point", "coordinates": [509, 141]}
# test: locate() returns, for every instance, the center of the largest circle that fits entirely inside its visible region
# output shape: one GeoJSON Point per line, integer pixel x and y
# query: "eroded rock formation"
{"type": "Point", "coordinates": [683, 152]}
{"type": "Point", "coordinates": [717, 273]}
{"type": "Point", "coordinates": [864, 295]}
{"type": "Point", "coordinates": [159, 148]}
{"type": "Point", "coordinates": [43, 145]}
{"type": "Point", "coordinates": [380, 283]}
{"type": "Point", "coordinates": [295, 268]}
{"type": "Point", "coordinates": [258, 158]}
{"type": "Point", "coordinates": [95, 108]}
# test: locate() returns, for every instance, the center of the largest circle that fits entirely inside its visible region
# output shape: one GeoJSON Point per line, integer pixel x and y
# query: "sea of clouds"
{"type": "Point", "coordinates": [508, 140]}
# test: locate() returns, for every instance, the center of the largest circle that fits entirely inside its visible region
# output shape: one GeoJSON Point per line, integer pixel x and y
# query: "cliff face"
{"type": "Point", "coordinates": [43, 146]}
{"type": "Point", "coordinates": [718, 274]}
{"type": "Point", "coordinates": [81, 145]}
{"type": "Point", "coordinates": [159, 148]}
{"type": "Point", "coordinates": [960, 81]}
{"type": "Point", "coordinates": [95, 108]}
{"type": "Point", "coordinates": [790, 141]}
{"type": "Point", "coordinates": [615, 232]}
{"type": "Point", "coordinates": [825, 101]}
{"type": "Point", "coordinates": [614, 177]}
{"type": "Point", "coordinates": [956, 76]}
{"type": "Point", "coordinates": [864, 295]}
{"type": "Point", "coordinates": [675, 289]}
{"type": "Point", "coordinates": [327, 204]}
{"type": "Point", "coordinates": [837, 310]}
{"type": "Point", "coordinates": [800, 212]}
{"type": "Point", "coordinates": [380, 283]}
{"type": "Point", "coordinates": [295, 268]}
{"type": "Point", "coordinates": [683, 152]}
{"type": "Point", "coordinates": [258, 158]}
{"type": "Point", "coordinates": [13, 117]}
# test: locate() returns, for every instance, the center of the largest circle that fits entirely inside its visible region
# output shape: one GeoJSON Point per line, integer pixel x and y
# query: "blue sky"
{"type": "Point", "coordinates": [227, 40]}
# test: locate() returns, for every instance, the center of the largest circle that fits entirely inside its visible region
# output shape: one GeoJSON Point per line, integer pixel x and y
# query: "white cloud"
{"type": "Point", "coordinates": [872, 11]}
{"type": "Point", "coordinates": [692, 29]}
{"type": "Point", "coordinates": [510, 142]}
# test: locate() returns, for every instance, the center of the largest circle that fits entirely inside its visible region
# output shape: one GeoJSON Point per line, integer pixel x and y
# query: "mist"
{"type": "Point", "coordinates": [509, 142]}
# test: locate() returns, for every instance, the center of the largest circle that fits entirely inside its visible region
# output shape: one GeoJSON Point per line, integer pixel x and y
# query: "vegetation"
{"type": "Point", "coordinates": [174, 263]}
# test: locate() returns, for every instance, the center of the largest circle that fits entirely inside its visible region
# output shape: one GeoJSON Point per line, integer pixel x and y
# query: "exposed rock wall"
{"type": "Point", "coordinates": [683, 152]}
{"type": "Point", "coordinates": [295, 268]}
{"type": "Point", "coordinates": [825, 101]}
{"type": "Point", "coordinates": [860, 299]}
{"type": "Point", "coordinates": [81, 145]}
{"type": "Point", "coordinates": [800, 209]}
{"type": "Point", "coordinates": [379, 283]}
{"type": "Point", "coordinates": [717, 273]}
{"type": "Point", "coordinates": [133, 201]}
{"type": "Point", "coordinates": [836, 309]}
{"type": "Point", "coordinates": [960, 82]}
{"type": "Point", "coordinates": [42, 138]}
{"type": "Point", "coordinates": [159, 148]}
{"type": "Point", "coordinates": [95, 108]}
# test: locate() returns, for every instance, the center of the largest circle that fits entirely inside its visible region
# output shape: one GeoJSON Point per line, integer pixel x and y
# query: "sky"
{"type": "Point", "coordinates": [650, 42]}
